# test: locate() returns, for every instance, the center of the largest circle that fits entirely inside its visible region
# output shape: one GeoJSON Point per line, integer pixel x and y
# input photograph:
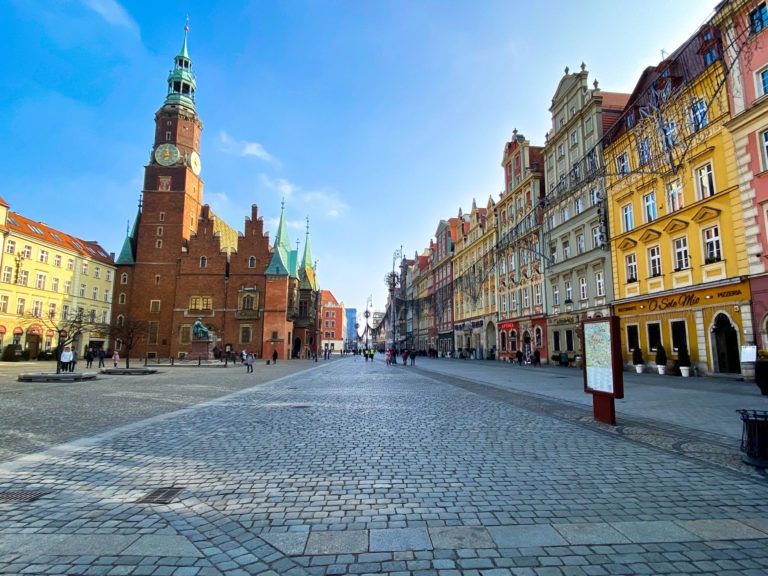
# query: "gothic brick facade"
{"type": "Point", "coordinates": [181, 263]}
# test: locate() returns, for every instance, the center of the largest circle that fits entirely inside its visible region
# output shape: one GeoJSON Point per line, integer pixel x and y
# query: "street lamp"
{"type": "Point", "coordinates": [397, 254]}
{"type": "Point", "coordinates": [367, 315]}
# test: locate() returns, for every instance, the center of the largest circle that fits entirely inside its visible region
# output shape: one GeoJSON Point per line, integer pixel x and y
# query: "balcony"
{"type": "Point", "coordinates": [247, 314]}
{"type": "Point", "coordinates": [199, 312]}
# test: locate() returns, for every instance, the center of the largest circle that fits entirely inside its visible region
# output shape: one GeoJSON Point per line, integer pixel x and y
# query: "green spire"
{"type": "Point", "coordinates": [283, 257]}
{"type": "Point", "coordinates": [181, 81]}
{"type": "Point", "coordinates": [307, 278]}
{"type": "Point", "coordinates": [128, 253]}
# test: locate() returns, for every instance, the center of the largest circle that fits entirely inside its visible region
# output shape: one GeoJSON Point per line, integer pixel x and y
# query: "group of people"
{"type": "Point", "coordinates": [368, 354]}
{"type": "Point", "coordinates": [533, 359]}
{"type": "Point", "coordinates": [68, 358]}
{"type": "Point", "coordinates": [248, 358]}
{"type": "Point", "coordinates": [390, 357]}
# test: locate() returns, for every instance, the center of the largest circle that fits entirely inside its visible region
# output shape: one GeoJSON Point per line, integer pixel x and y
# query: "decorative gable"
{"type": "Point", "coordinates": [650, 235]}
{"type": "Point", "coordinates": [705, 214]}
{"type": "Point", "coordinates": [675, 225]}
{"type": "Point", "coordinates": [627, 244]}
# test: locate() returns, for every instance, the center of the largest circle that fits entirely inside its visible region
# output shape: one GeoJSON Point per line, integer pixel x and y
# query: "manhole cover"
{"type": "Point", "coordinates": [160, 496]}
{"type": "Point", "coordinates": [21, 495]}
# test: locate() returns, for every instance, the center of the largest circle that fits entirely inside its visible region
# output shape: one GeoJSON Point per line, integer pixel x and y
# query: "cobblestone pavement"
{"type": "Point", "coordinates": [346, 467]}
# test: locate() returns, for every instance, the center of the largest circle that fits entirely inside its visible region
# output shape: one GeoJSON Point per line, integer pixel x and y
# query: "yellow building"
{"type": "Point", "coordinates": [474, 295]}
{"type": "Point", "coordinates": [676, 226]}
{"type": "Point", "coordinates": [51, 281]}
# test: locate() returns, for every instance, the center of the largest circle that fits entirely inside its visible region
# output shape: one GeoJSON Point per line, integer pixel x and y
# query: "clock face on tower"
{"type": "Point", "coordinates": [193, 160]}
{"type": "Point", "coordinates": [167, 154]}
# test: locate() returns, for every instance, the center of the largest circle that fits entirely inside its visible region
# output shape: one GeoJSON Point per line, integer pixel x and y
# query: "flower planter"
{"type": "Point", "coordinates": [639, 368]}
{"type": "Point", "coordinates": [685, 371]}
{"type": "Point", "coordinates": [662, 369]}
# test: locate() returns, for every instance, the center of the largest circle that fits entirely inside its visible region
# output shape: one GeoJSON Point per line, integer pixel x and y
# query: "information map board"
{"type": "Point", "coordinates": [603, 365]}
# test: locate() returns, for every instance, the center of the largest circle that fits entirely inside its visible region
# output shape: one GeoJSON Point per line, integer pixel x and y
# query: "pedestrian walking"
{"type": "Point", "coordinates": [102, 356]}
{"type": "Point", "coordinates": [404, 356]}
{"type": "Point", "coordinates": [115, 358]}
{"type": "Point", "coordinates": [74, 361]}
{"type": "Point", "coordinates": [274, 357]}
{"type": "Point", "coordinates": [89, 358]}
{"type": "Point", "coordinates": [412, 356]}
{"type": "Point", "coordinates": [249, 363]}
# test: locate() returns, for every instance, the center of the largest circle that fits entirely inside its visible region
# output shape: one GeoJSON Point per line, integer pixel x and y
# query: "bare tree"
{"type": "Point", "coordinates": [68, 328]}
{"type": "Point", "coordinates": [128, 332]}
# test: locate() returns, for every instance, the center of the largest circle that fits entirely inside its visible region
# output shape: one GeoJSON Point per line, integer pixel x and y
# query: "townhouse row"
{"type": "Point", "coordinates": [54, 289]}
{"type": "Point", "coordinates": [650, 206]}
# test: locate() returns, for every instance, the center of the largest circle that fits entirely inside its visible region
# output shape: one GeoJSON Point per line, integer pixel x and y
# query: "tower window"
{"type": "Point", "coordinates": [168, 136]}
{"type": "Point", "coordinates": [203, 261]}
{"type": "Point", "coordinates": [158, 243]}
{"type": "Point", "coordinates": [157, 279]}
{"type": "Point", "coordinates": [162, 217]}
{"type": "Point", "coordinates": [252, 262]}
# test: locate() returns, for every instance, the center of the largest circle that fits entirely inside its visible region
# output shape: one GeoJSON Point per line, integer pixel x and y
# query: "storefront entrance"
{"type": "Point", "coordinates": [725, 342]}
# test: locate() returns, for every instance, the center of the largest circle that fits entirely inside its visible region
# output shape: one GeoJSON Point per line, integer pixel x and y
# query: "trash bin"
{"type": "Point", "coordinates": [761, 376]}
{"type": "Point", "coordinates": [564, 360]}
{"type": "Point", "coordinates": [754, 437]}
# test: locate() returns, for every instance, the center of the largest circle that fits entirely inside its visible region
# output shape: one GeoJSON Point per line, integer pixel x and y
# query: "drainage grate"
{"type": "Point", "coordinates": [160, 496]}
{"type": "Point", "coordinates": [21, 495]}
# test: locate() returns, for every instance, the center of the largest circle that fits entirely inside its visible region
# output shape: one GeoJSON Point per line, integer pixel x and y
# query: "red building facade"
{"type": "Point", "coordinates": [181, 263]}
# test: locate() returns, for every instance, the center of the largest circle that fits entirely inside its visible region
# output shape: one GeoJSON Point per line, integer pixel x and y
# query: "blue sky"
{"type": "Point", "coordinates": [374, 119]}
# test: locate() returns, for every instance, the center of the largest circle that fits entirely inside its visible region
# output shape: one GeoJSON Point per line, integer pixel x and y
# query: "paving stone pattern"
{"type": "Point", "coordinates": [349, 467]}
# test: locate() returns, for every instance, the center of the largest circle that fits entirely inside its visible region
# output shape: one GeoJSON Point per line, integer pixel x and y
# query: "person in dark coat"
{"type": "Point", "coordinates": [274, 357]}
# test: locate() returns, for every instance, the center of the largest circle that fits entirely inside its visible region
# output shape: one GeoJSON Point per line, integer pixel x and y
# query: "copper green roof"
{"type": "Point", "coordinates": [307, 280]}
{"type": "Point", "coordinates": [128, 253]}
{"type": "Point", "coordinates": [284, 259]}
{"type": "Point", "coordinates": [181, 81]}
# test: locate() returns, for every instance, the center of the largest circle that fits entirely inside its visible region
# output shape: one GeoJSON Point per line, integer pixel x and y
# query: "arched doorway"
{"type": "Point", "coordinates": [296, 348]}
{"type": "Point", "coordinates": [490, 341]}
{"type": "Point", "coordinates": [527, 344]}
{"type": "Point", "coordinates": [34, 338]}
{"type": "Point", "coordinates": [725, 345]}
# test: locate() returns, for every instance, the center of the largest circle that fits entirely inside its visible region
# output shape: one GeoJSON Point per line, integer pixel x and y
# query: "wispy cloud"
{"type": "Point", "coordinates": [327, 201]}
{"type": "Point", "coordinates": [113, 12]}
{"type": "Point", "coordinates": [323, 201]}
{"type": "Point", "coordinates": [281, 185]}
{"type": "Point", "coordinates": [244, 148]}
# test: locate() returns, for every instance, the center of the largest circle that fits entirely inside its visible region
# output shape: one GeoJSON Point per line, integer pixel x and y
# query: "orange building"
{"type": "Point", "coordinates": [331, 323]}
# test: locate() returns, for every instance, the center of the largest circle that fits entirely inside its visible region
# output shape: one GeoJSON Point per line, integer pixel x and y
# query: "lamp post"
{"type": "Point", "coordinates": [367, 315]}
{"type": "Point", "coordinates": [397, 254]}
